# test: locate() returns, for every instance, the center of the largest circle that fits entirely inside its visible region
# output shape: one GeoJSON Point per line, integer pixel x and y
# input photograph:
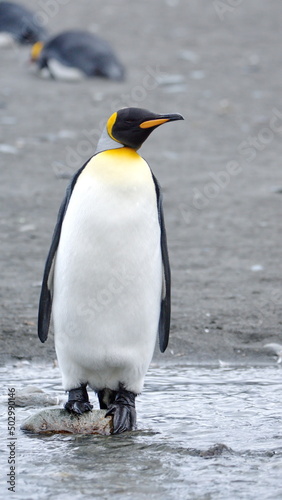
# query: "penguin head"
{"type": "Point", "coordinates": [132, 126]}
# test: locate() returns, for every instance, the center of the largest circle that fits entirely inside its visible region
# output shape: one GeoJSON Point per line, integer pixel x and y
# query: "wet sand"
{"type": "Point", "coordinates": [220, 168]}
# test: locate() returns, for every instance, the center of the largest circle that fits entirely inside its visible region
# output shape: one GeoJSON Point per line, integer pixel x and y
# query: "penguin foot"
{"type": "Point", "coordinates": [78, 401]}
{"type": "Point", "coordinates": [123, 411]}
{"type": "Point", "coordinates": [78, 407]}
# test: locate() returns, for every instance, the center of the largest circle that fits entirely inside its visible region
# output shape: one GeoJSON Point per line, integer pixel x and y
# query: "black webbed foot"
{"type": "Point", "coordinates": [78, 401]}
{"type": "Point", "coordinates": [123, 411]}
{"type": "Point", "coordinates": [78, 407]}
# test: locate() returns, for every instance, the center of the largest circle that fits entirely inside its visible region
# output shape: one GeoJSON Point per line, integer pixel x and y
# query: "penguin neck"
{"type": "Point", "coordinates": [106, 142]}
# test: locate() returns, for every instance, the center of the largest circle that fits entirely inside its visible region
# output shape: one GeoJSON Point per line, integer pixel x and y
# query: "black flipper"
{"type": "Point", "coordinates": [164, 323]}
{"type": "Point", "coordinates": [45, 302]}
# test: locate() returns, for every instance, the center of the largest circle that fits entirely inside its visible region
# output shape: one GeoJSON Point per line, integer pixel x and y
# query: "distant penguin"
{"type": "Point", "coordinates": [19, 24]}
{"type": "Point", "coordinates": [74, 55]}
{"type": "Point", "coordinates": [107, 273]}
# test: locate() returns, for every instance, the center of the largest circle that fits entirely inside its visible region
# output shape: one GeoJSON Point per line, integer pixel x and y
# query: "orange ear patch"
{"type": "Point", "coordinates": [36, 50]}
{"type": "Point", "coordinates": [110, 123]}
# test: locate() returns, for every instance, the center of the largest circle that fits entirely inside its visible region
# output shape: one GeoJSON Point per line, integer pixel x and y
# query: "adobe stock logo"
{"type": "Point", "coordinates": [250, 147]}
{"type": "Point", "coordinates": [248, 151]}
{"type": "Point", "coordinates": [226, 7]}
{"type": "Point", "coordinates": [49, 9]}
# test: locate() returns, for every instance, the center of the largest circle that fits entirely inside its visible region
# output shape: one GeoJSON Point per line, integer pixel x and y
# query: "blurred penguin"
{"type": "Point", "coordinates": [74, 55]}
{"type": "Point", "coordinates": [18, 24]}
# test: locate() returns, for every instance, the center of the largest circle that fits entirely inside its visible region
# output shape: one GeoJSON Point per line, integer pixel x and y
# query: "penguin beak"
{"type": "Point", "coordinates": [155, 122]}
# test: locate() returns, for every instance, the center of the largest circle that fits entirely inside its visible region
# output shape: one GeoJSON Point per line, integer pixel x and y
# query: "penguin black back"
{"type": "Point", "coordinates": [85, 51]}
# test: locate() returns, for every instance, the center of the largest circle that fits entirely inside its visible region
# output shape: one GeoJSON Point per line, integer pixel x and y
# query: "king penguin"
{"type": "Point", "coordinates": [20, 24]}
{"type": "Point", "coordinates": [107, 274]}
{"type": "Point", "coordinates": [75, 54]}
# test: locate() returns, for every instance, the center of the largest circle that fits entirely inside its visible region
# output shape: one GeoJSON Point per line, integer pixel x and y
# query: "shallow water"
{"type": "Point", "coordinates": [183, 413]}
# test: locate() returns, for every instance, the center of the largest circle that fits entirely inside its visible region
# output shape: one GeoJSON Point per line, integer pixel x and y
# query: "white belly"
{"type": "Point", "coordinates": [62, 72]}
{"type": "Point", "coordinates": [108, 278]}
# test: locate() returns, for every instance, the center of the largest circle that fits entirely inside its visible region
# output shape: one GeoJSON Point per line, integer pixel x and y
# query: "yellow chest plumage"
{"type": "Point", "coordinates": [122, 168]}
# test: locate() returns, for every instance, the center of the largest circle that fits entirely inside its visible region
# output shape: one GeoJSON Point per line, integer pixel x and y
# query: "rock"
{"type": "Point", "coordinates": [257, 267]}
{"type": "Point", "coordinates": [57, 420]}
{"type": "Point", "coordinates": [276, 348]}
{"type": "Point", "coordinates": [8, 149]}
{"type": "Point", "coordinates": [36, 400]}
{"type": "Point", "coordinates": [170, 79]}
{"type": "Point", "coordinates": [214, 451]}
{"type": "Point", "coordinates": [188, 55]}
{"type": "Point", "coordinates": [34, 396]}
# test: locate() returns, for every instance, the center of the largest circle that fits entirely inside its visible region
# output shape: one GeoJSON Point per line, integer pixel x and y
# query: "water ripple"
{"type": "Point", "coordinates": [203, 433]}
